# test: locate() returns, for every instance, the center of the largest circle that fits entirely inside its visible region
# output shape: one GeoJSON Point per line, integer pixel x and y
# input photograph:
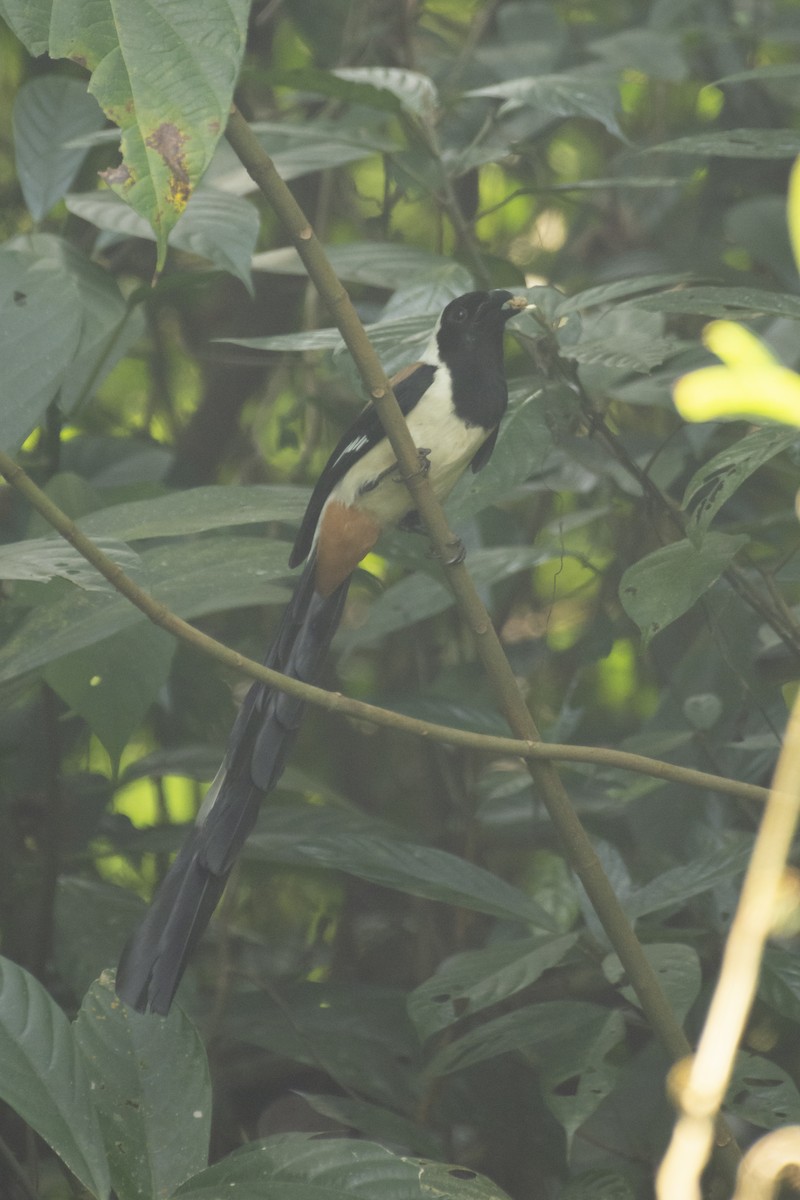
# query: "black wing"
{"type": "Point", "coordinates": [365, 432]}
{"type": "Point", "coordinates": [484, 452]}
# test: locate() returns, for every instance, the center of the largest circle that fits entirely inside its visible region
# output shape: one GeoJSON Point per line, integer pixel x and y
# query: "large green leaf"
{"type": "Point", "coordinates": [213, 225]}
{"type": "Point", "coordinates": [475, 979]}
{"type": "Point", "coordinates": [40, 559]}
{"type": "Point", "coordinates": [191, 578]}
{"type": "Point", "coordinates": [735, 143]}
{"type": "Point", "coordinates": [196, 510]}
{"type": "Point", "coordinates": [390, 89]}
{"type": "Point", "coordinates": [780, 982]}
{"type": "Point", "coordinates": [51, 295]}
{"type": "Point", "coordinates": [165, 74]}
{"type": "Point", "coordinates": [718, 479]}
{"type": "Point", "coordinates": [674, 887]}
{"type": "Point", "coordinates": [300, 1166]}
{"type": "Point", "coordinates": [50, 111]}
{"type": "Point", "coordinates": [578, 93]}
{"type": "Point", "coordinates": [737, 302]}
{"type": "Point", "coordinates": [677, 967]}
{"type": "Point", "coordinates": [44, 1078]}
{"type": "Point", "coordinates": [618, 289]}
{"type": "Point", "coordinates": [347, 841]}
{"type": "Point", "coordinates": [151, 1088]}
{"type": "Point", "coordinates": [381, 264]}
{"type": "Point", "coordinates": [376, 1122]}
{"type": "Point", "coordinates": [112, 683]}
{"type": "Point", "coordinates": [762, 1093]}
{"type": "Point", "coordinates": [663, 586]}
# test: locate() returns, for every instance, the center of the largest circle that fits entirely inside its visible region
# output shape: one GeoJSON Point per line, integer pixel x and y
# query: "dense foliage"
{"type": "Point", "coordinates": [405, 952]}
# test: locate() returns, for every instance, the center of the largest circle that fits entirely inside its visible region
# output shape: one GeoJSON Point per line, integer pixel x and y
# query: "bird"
{"type": "Point", "coordinates": [453, 400]}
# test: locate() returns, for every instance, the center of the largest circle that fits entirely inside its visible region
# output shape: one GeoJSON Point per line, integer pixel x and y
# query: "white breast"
{"type": "Point", "coordinates": [434, 426]}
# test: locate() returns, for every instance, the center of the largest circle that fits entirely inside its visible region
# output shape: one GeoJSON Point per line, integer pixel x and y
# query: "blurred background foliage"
{"type": "Point", "coordinates": [625, 160]}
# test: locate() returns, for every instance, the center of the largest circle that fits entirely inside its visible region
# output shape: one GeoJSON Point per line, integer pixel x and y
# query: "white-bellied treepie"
{"type": "Point", "coordinates": [453, 400]}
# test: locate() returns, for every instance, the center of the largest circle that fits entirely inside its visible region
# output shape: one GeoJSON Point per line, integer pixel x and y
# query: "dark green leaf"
{"type": "Point", "coordinates": [577, 94]}
{"type": "Point", "coordinates": [375, 1122]}
{"type": "Point", "coordinates": [44, 1079]}
{"type": "Point", "coordinates": [194, 578]}
{"type": "Point", "coordinates": [150, 1084]}
{"type": "Point", "coordinates": [780, 982]}
{"type": "Point", "coordinates": [391, 89]}
{"type": "Point", "coordinates": [475, 979]}
{"type": "Point", "coordinates": [299, 1166]}
{"type": "Point", "coordinates": [739, 302]}
{"type": "Point", "coordinates": [92, 921]}
{"type": "Point", "coordinates": [112, 683]}
{"type": "Point", "coordinates": [663, 586]}
{"type": "Point", "coordinates": [674, 887]}
{"type": "Point", "coordinates": [40, 559]}
{"type": "Point", "coordinates": [618, 289]}
{"type": "Point", "coordinates": [49, 111]}
{"type": "Point", "coordinates": [762, 1093]}
{"type": "Point", "coordinates": [717, 480]}
{"type": "Point", "coordinates": [381, 264]}
{"type": "Point", "coordinates": [735, 143]}
{"type": "Point", "coordinates": [327, 837]}
{"type": "Point", "coordinates": [218, 227]}
{"type": "Point", "coordinates": [196, 510]}
{"type": "Point", "coordinates": [677, 967]}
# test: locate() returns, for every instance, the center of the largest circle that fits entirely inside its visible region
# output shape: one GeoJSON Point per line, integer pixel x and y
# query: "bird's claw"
{"type": "Point", "coordinates": [424, 459]}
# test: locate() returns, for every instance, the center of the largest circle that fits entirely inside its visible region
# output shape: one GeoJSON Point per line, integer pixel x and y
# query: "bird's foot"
{"type": "Point", "coordinates": [424, 460]}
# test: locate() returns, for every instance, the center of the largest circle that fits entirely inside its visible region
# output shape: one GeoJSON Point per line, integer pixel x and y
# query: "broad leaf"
{"type": "Point", "coordinates": [674, 887]}
{"type": "Point", "coordinates": [51, 295]}
{"type": "Point", "coordinates": [194, 578]}
{"type": "Point", "coordinates": [663, 586]}
{"type": "Point", "coordinates": [577, 94]}
{"type": "Point", "coordinates": [677, 967]}
{"type": "Point", "coordinates": [112, 683]}
{"type": "Point", "coordinates": [44, 1078]}
{"type": "Point", "coordinates": [739, 302]}
{"type": "Point", "coordinates": [327, 837]}
{"type": "Point", "coordinates": [213, 225]}
{"type": "Point", "coordinates": [780, 982]}
{"type": "Point", "coordinates": [762, 1093]}
{"type": "Point", "coordinates": [172, 106]}
{"type": "Point", "coordinates": [381, 264]}
{"type": "Point", "coordinates": [475, 979]}
{"type": "Point", "coordinates": [390, 89]}
{"type": "Point", "coordinates": [717, 480]}
{"type": "Point", "coordinates": [376, 1122]}
{"type": "Point", "coordinates": [196, 510]}
{"type": "Point", "coordinates": [151, 1088]}
{"type": "Point", "coordinates": [618, 289]}
{"type": "Point", "coordinates": [49, 111]}
{"type": "Point", "coordinates": [300, 1166]}
{"type": "Point", "coordinates": [735, 143]}
{"type": "Point", "coordinates": [40, 559]}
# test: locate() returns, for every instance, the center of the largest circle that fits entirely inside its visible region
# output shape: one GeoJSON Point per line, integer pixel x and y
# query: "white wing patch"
{"type": "Point", "coordinates": [352, 448]}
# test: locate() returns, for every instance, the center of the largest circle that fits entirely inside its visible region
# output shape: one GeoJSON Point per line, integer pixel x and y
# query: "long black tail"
{"type": "Point", "coordinates": [153, 961]}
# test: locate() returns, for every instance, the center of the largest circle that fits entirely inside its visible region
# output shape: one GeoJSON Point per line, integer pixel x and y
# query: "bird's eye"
{"type": "Point", "coordinates": [460, 315]}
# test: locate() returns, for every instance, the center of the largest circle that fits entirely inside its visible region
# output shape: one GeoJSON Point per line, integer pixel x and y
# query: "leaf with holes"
{"type": "Point", "coordinates": [151, 1089]}
{"type": "Point", "coordinates": [718, 479]}
{"type": "Point", "coordinates": [677, 967]}
{"type": "Point", "coordinates": [762, 1093]}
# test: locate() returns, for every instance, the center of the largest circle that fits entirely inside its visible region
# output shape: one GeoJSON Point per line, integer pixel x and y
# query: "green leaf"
{"type": "Point", "coordinates": [717, 480]}
{"type": "Point", "coordinates": [419, 596]}
{"type": "Point", "coordinates": [677, 967]}
{"type": "Point", "coordinates": [663, 586]}
{"type": "Point", "coordinates": [391, 89]}
{"type": "Point", "coordinates": [375, 1122]}
{"type": "Point", "coordinates": [49, 111]}
{"type": "Point", "coordinates": [618, 289]}
{"type": "Point", "coordinates": [172, 106]}
{"type": "Point", "coordinates": [218, 227]}
{"type": "Point", "coordinates": [779, 986]}
{"type": "Point", "coordinates": [40, 559]}
{"type": "Point", "coordinates": [44, 1080]}
{"type": "Point", "coordinates": [112, 683]}
{"type": "Point", "coordinates": [191, 578]}
{"type": "Point", "coordinates": [598, 1184]}
{"type": "Point", "coordinates": [739, 302]}
{"type": "Point", "coordinates": [576, 94]}
{"type": "Point", "coordinates": [302, 1166]}
{"type": "Point", "coordinates": [673, 888]}
{"type": "Point", "coordinates": [92, 921]}
{"type": "Point", "coordinates": [30, 21]}
{"type": "Point", "coordinates": [151, 1088]}
{"type": "Point", "coordinates": [475, 979]}
{"type": "Point", "coordinates": [622, 337]}
{"type": "Point", "coordinates": [51, 295]}
{"type": "Point", "coordinates": [347, 841]}
{"type": "Point", "coordinates": [762, 1093]}
{"type": "Point", "coordinates": [380, 264]}
{"type": "Point", "coordinates": [735, 143]}
{"type": "Point", "coordinates": [196, 510]}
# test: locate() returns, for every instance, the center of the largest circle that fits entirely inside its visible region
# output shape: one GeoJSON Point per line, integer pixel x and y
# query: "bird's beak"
{"type": "Point", "coordinates": [515, 305]}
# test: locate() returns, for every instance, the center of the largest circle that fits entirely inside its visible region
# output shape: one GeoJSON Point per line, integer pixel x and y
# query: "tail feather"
{"type": "Point", "coordinates": [154, 959]}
